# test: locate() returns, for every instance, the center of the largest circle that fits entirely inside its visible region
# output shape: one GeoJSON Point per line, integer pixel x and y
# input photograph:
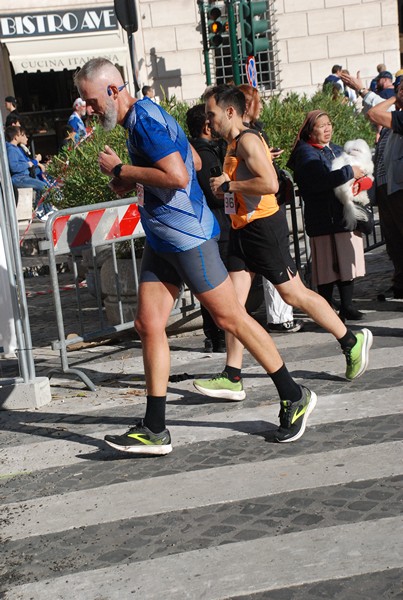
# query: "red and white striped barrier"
{"type": "Point", "coordinates": [64, 288]}
{"type": "Point", "coordinates": [94, 227]}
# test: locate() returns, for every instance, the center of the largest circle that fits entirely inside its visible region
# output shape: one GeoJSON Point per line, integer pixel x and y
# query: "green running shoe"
{"type": "Point", "coordinates": [221, 387]}
{"type": "Point", "coordinates": [357, 356]}
{"type": "Point", "coordinates": [140, 440]}
{"type": "Point", "coordinates": [294, 415]}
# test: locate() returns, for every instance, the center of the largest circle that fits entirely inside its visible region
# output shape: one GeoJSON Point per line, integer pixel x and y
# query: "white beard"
{"type": "Point", "coordinates": [109, 119]}
{"type": "Point", "coordinates": [356, 153]}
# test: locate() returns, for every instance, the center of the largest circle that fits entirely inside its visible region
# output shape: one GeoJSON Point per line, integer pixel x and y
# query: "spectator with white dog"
{"type": "Point", "coordinates": [337, 247]}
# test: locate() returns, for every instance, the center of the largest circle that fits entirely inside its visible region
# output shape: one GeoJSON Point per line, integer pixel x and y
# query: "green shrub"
{"type": "Point", "coordinates": [82, 182]}
{"type": "Point", "coordinates": [77, 172]}
{"type": "Point", "coordinates": [282, 119]}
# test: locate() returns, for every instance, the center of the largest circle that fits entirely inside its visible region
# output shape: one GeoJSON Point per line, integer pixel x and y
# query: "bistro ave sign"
{"type": "Point", "coordinates": [57, 23]}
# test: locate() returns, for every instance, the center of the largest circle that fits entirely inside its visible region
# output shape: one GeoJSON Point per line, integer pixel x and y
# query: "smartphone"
{"type": "Point", "coordinates": [215, 171]}
{"type": "Point", "coordinates": [276, 149]}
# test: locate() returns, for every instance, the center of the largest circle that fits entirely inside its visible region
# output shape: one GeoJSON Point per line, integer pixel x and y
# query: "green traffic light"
{"type": "Point", "coordinates": [252, 26]}
{"type": "Point", "coordinates": [258, 8]}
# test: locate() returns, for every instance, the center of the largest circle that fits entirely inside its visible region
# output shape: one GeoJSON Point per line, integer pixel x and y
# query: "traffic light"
{"type": "Point", "coordinates": [252, 25]}
{"type": "Point", "coordinates": [216, 27]}
{"type": "Point", "coordinates": [126, 14]}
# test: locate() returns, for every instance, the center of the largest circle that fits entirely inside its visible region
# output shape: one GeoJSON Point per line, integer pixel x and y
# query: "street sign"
{"type": "Point", "coordinates": [251, 72]}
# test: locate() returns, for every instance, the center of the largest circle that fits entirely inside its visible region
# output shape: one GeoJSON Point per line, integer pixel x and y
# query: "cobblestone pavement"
{"type": "Point", "coordinates": [229, 514]}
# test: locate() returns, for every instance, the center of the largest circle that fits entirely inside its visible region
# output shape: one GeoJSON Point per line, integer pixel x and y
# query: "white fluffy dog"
{"type": "Point", "coordinates": [356, 153]}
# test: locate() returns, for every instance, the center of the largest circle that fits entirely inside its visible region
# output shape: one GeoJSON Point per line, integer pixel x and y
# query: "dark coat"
{"type": "Point", "coordinates": [316, 182]}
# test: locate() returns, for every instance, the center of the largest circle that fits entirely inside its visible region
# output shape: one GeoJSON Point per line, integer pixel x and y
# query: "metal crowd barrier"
{"type": "Point", "coordinates": [9, 230]}
{"type": "Point", "coordinates": [95, 230]}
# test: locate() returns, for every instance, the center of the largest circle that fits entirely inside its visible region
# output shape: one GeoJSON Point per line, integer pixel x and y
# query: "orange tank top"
{"type": "Point", "coordinates": [248, 206]}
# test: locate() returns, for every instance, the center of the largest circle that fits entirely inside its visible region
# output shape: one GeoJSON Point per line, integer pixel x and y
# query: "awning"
{"type": "Point", "coordinates": [70, 52]}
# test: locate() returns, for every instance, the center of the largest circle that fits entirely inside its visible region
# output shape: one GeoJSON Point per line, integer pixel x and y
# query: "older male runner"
{"type": "Point", "coordinates": [181, 247]}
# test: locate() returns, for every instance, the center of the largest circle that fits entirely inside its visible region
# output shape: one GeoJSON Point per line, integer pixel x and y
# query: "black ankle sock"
{"type": "Point", "coordinates": [348, 340]}
{"type": "Point", "coordinates": [233, 373]}
{"type": "Point", "coordinates": [155, 413]}
{"type": "Point", "coordinates": [287, 388]}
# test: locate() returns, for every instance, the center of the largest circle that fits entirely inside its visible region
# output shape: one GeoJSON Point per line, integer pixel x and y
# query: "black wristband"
{"type": "Point", "coordinates": [225, 186]}
{"type": "Point", "coordinates": [116, 170]}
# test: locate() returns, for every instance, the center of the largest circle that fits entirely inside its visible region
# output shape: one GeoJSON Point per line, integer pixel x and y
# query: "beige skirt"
{"type": "Point", "coordinates": [337, 257]}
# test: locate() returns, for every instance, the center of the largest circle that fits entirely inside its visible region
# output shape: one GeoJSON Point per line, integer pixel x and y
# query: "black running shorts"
{"type": "Point", "coordinates": [263, 247]}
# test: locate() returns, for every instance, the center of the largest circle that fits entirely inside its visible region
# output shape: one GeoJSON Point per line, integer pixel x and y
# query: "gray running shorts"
{"type": "Point", "coordinates": [200, 268]}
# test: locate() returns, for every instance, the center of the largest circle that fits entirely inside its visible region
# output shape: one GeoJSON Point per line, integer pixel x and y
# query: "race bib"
{"type": "Point", "coordinates": [140, 194]}
{"type": "Point", "coordinates": [229, 203]}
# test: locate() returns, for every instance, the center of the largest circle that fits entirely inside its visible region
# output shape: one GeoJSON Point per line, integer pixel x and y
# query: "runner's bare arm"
{"type": "Point", "coordinates": [169, 172]}
{"type": "Point", "coordinates": [264, 180]}
{"type": "Point", "coordinates": [379, 114]}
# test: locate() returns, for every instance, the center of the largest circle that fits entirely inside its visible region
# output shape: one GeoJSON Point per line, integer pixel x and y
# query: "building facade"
{"type": "Point", "coordinates": [42, 45]}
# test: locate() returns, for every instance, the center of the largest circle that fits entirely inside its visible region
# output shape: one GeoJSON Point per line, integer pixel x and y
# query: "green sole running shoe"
{"type": "Point", "coordinates": [140, 440]}
{"type": "Point", "coordinates": [294, 415]}
{"type": "Point", "coordinates": [221, 387]}
{"type": "Point", "coordinates": [357, 356]}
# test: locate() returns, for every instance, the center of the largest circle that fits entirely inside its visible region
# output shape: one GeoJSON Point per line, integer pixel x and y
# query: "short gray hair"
{"type": "Point", "coordinates": [91, 69]}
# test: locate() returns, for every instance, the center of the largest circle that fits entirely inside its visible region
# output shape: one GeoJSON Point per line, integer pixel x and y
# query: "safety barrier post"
{"type": "Point", "coordinates": [26, 390]}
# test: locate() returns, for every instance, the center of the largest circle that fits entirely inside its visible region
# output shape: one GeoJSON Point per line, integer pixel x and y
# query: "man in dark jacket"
{"type": "Point", "coordinates": [211, 152]}
{"type": "Point", "coordinates": [334, 79]}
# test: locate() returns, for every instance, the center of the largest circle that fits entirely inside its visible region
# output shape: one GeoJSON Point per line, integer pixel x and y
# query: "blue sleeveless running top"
{"type": "Point", "coordinates": [174, 220]}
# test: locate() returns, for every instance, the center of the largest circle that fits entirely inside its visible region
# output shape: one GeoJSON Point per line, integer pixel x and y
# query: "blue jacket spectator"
{"type": "Point", "coordinates": [20, 166]}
